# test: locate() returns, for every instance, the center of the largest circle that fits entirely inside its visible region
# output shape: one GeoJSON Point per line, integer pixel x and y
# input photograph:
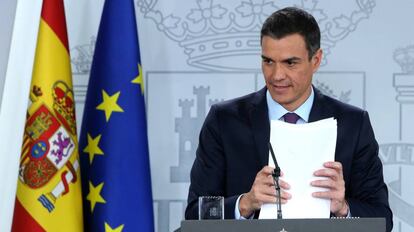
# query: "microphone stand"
{"type": "Point", "coordinates": [276, 175]}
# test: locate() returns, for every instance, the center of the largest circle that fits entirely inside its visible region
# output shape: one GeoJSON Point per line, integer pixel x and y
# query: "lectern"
{"type": "Point", "coordinates": [286, 225]}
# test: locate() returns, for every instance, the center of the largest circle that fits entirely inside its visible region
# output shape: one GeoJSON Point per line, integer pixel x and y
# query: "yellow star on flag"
{"type": "Point", "coordinates": [139, 80]}
{"type": "Point", "coordinates": [94, 195]}
{"type": "Point", "coordinates": [109, 228]}
{"type": "Point", "coordinates": [109, 104]}
{"type": "Point", "coordinates": [93, 147]}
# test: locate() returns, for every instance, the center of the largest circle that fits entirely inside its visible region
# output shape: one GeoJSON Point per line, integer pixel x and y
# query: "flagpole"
{"type": "Point", "coordinates": [14, 102]}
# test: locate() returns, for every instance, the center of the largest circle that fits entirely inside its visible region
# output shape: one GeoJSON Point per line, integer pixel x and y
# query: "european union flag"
{"type": "Point", "coordinates": [116, 181]}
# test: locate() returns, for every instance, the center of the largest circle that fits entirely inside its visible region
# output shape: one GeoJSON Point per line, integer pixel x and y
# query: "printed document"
{"type": "Point", "coordinates": [300, 150]}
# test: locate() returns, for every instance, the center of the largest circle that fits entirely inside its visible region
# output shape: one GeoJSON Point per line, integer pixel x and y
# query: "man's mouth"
{"type": "Point", "coordinates": [281, 86]}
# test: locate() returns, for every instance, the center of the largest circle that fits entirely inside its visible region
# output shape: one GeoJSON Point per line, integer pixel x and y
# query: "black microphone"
{"type": "Point", "coordinates": [276, 175]}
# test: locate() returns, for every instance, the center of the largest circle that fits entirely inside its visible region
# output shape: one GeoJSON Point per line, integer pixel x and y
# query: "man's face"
{"type": "Point", "coordinates": [288, 70]}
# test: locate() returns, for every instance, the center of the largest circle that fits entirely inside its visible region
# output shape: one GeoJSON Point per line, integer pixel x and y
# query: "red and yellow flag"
{"type": "Point", "coordinates": [49, 189]}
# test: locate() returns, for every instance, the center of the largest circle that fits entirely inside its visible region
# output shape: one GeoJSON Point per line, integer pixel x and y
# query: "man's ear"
{"type": "Point", "coordinates": [317, 59]}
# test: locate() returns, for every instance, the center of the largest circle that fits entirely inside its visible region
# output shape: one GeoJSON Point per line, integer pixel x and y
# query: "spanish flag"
{"type": "Point", "coordinates": [49, 188]}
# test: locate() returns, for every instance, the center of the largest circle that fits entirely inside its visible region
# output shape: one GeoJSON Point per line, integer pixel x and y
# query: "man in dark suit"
{"type": "Point", "coordinates": [232, 155]}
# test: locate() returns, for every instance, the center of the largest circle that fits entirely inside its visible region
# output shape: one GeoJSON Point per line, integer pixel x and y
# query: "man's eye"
{"type": "Point", "coordinates": [291, 63]}
{"type": "Point", "coordinates": [267, 61]}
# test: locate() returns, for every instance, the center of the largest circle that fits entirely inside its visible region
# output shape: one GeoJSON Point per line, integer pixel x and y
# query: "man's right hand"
{"type": "Point", "coordinates": [263, 191]}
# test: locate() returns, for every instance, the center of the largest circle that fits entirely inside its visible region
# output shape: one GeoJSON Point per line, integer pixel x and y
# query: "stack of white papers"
{"type": "Point", "coordinates": [300, 150]}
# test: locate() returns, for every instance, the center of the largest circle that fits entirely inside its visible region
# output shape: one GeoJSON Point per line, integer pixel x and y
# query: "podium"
{"type": "Point", "coordinates": [286, 225]}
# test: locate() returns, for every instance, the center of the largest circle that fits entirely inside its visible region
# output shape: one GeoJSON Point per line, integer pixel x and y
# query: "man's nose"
{"type": "Point", "coordinates": [278, 72]}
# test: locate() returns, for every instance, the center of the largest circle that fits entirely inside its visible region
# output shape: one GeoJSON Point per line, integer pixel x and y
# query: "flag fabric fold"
{"type": "Point", "coordinates": [48, 194]}
{"type": "Point", "coordinates": [116, 179]}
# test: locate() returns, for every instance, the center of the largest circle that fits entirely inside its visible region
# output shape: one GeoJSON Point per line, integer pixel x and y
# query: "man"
{"type": "Point", "coordinates": [232, 155]}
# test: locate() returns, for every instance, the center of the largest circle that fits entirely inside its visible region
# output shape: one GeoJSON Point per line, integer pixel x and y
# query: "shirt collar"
{"type": "Point", "coordinates": [276, 111]}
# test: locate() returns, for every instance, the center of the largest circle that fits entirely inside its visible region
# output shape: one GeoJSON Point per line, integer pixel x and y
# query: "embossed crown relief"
{"type": "Point", "coordinates": [405, 58]}
{"type": "Point", "coordinates": [81, 57]}
{"type": "Point", "coordinates": [213, 33]}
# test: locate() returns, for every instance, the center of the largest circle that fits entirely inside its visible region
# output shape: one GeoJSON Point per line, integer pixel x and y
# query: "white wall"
{"type": "Point", "coordinates": [369, 50]}
{"type": "Point", "coordinates": [7, 12]}
{"type": "Point", "coordinates": [368, 61]}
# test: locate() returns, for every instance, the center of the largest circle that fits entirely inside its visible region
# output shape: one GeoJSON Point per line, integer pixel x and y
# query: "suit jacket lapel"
{"type": "Point", "coordinates": [259, 120]}
{"type": "Point", "coordinates": [320, 110]}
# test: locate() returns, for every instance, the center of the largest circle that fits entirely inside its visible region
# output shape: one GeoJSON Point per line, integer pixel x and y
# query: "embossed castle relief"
{"type": "Point", "coordinates": [177, 105]}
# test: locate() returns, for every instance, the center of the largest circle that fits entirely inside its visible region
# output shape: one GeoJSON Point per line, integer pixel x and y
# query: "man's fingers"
{"type": "Point", "coordinates": [337, 166]}
{"type": "Point", "coordinates": [268, 199]}
{"type": "Point", "coordinates": [331, 173]}
{"type": "Point", "coordinates": [325, 195]}
{"type": "Point", "coordinates": [269, 180]}
{"type": "Point", "coordinates": [285, 195]}
{"type": "Point", "coordinates": [331, 170]}
{"type": "Point", "coordinates": [273, 199]}
{"type": "Point", "coordinates": [334, 165]}
{"type": "Point", "coordinates": [266, 170]}
{"type": "Point", "coordinates": [271, 191]}
{"type": "Point", "coordinates": [283, 184]}
{"type": "Point", "coordinates": [334, 183]}
{"type": "Point", "coordinates": [324, 183]}
{"type": "Point", "coordinates": [268, 190]}
{"type": "Point", "coordinates": [264, 191]}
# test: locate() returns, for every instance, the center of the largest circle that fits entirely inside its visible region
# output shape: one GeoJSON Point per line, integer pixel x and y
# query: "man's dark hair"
{"type": "Point", "coordinates": [292, 20]}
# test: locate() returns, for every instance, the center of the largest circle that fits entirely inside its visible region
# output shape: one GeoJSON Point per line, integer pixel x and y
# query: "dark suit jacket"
{"type": "Point", "coordinates": [233, 149]}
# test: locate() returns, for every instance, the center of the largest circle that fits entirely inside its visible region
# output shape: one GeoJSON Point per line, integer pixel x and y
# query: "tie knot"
{"type": "Point", "coordinates": [291, 118]}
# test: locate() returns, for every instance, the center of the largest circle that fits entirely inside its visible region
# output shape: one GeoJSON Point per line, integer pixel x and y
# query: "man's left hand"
{"type": "Point", "coordinates": [336, 187]}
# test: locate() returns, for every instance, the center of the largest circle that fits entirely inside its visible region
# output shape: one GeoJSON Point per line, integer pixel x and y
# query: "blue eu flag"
{"type": "Point", "coordinates": [116, 182]}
